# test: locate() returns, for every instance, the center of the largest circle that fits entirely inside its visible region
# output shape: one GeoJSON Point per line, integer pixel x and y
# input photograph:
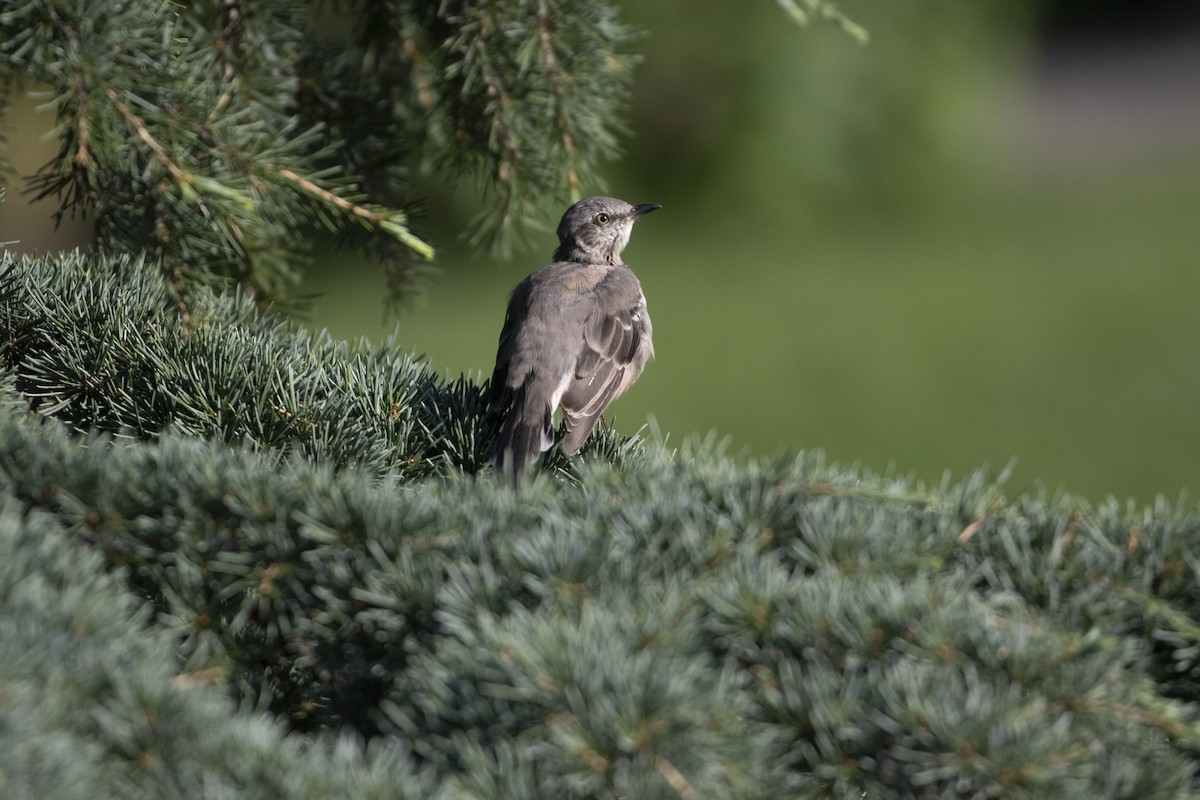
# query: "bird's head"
{"type": "Point", "coordinates": [596, 229]}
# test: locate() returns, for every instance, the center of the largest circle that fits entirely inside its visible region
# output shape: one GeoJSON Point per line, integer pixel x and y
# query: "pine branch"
{"type": "Point", "coordinates": [803, 12]}
{"type": "Point", "coordinates": [518, 69]}
{"type": "Point", "coordinates": [343, 107]}
{"type": "Point", "coordinates": [182, 179]}
{"type": "Point", "coordinates": [132, 727]}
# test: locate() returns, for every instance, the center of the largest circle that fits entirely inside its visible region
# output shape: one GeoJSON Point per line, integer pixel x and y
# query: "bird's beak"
{"type": "Point", "coordinates": [645, 208]}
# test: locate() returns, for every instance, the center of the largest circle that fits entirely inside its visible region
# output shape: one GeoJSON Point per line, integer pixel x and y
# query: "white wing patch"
{"type": "Point", "coordinates": [563, 384]}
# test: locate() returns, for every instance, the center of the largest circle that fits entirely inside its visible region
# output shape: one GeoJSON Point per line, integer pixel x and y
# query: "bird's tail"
{"type": "Point", "coordinates": [526, 433]}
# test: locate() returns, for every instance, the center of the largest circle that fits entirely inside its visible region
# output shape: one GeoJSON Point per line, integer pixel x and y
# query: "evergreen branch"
{"type": "Point", "coordinates": [422, 87]}
{"type": "Point", "coordinates": [921, 498]}
{"type": "Point", "coordinates": [970, 530]}
{"type": "Point", "coordinates": [1157, 608]}
{"type": "Point", "coordinates": [675, 779]}
{"type": "Point", "coordinates": [1166, 719]}
{"type": "Point", "coordinates": [471, 88]}
{"type": "Point", "coordinates": [81, 124]}
{"type": "Point", "coordinates": [182, 178]}
{"type": "Point", "coordinates": [500, 139]}
{"type": "Point", "coordinates": [826, 10]}
{"type": "Point", "coordinates": [132, 728]}
{"type": "Point", "coordinates": [523, 70]}
{"type": "Point", "coordinates": [391, 222]}
{"type": "Point", "coordinates": [559, 79]}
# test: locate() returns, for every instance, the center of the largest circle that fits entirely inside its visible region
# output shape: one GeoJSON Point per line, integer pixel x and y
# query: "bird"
{"type": "Point", "coordinates": [576, 335]}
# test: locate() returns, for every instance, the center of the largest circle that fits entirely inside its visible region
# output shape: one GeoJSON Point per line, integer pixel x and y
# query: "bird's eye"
{"type": "Point", "coordinates": [601, 218]}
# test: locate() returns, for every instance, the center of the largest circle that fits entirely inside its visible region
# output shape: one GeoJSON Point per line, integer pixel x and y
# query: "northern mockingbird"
{"type": "Point", "coordinates": [576, 335]}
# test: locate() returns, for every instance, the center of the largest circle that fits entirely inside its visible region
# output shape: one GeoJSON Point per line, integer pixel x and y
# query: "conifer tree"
{"type": "Point", "coordinates": [299, 524]}
{"type": "Point", "coordinates": [214, 135]}
{"type": "Point", "coordinates": [241, 559]}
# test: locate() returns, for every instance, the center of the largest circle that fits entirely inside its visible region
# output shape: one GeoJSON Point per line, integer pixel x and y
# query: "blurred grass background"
{"type": "Point", "coordinates": [974, 239]}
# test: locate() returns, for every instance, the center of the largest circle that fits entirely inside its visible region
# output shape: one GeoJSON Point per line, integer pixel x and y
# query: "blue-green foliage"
{"type": "Point", "coordinates": [92, 707]}
{"type": "Point", "coordinates": [649, 624]}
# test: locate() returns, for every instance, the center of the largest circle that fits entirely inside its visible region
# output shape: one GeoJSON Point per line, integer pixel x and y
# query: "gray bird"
{"type": "Point", "coordinates": [576, 335]}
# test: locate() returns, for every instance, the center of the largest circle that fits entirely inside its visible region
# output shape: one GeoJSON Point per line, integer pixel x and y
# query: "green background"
{"type": "Point", "coordinates": [958, 245]}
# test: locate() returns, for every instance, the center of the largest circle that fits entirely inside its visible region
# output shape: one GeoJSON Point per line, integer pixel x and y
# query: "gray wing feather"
{"type": "Point", "coordinates": [609, 360]}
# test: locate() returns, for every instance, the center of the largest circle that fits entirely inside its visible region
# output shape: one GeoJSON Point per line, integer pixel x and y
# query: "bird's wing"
{"type": "Point", "coordinates": [502, 383]}
{"type": "Point", "coordinates": [615, 347]}
{"type": "Point", "coordinates": [523, 406]}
